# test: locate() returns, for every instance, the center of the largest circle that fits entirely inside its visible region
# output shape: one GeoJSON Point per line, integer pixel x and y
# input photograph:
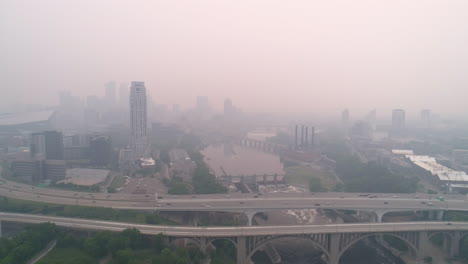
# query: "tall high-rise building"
{"type": "Point", "coordinates": [426, 118]}
{"type": "Point", "coordinates": [47, 145]}
{"type": "Point", "coordinates": [110, 93]}
{"type": "Point", "coordinates": [138, 119]}
{"type": "Point", "coordinates": [228, 107]}
{"type": "Point", "coordinates": [203, 103]}
{"type": "Point", "coordinates": [398, 120]}
{"type": "Point", "coordinates": [123, 95]}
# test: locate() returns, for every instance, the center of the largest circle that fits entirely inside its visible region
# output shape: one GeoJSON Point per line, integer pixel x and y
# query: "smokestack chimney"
{"type": "Point", "coordinates": [312, 136]}
{"type": "Point", "coordinates": [307, 136]}
{"type": "Point", "coordinates": [302, 136]}
{"type": "Point", "coordinates": [295, 140]}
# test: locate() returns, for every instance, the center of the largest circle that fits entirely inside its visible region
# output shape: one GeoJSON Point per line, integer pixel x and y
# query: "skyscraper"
{"type": "Point", "coordinates": [426, 118]}
{"type": "Point", "coordinates": [398, 120]}
{"type": "Point", "coordinates": [123, 95]}
{"type": "Point", "coordinates": [110, 93]}
{"type": "Point", "coordinates": [138, 118]}
{"type": "Point", "coordinates": [228, 107]}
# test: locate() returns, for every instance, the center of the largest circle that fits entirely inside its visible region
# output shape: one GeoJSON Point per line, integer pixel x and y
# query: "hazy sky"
{"type": "Point", "coordinates": [298, 55]}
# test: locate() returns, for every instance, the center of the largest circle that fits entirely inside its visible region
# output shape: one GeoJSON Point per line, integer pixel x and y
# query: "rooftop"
{"type": "Point", "coordinates": [402, 151]}
{"type": "Point", "coordinates": [443, 173]}
{"type": "Point", "coordinates": [85, 177]}
{"type": "Point", "coordinates": [25, 118]}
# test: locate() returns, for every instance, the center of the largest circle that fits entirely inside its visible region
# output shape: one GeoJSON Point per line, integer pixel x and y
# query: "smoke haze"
{"type": "Point", "coordinates": [266, 55]}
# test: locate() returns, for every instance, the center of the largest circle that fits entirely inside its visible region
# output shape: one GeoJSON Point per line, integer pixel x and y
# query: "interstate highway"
{"type": "Point", "coordinates": [235, 202]}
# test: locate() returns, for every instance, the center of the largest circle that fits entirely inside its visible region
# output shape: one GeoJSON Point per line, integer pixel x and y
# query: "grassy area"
{"type": "Point", "coordinates": [74, 187]}
{"type": "Point", "coordinates": [301, 175]}
{"type": "Point", "coordinates": [142, 256]}
{"type": "Point", "coordinates": [117, 182]}
{"type": "Point", "coordinates": [129, 216]}
{"type": "Point", "coordinates": [69, 256]}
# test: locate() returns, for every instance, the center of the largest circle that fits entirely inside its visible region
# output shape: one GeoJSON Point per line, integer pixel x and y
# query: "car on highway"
{"type": "Point", "coordinates": [385, 202]}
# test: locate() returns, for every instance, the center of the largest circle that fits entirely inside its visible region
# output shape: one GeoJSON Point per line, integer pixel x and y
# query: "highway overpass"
{"type": "Point", "coordinates": [249, 204]}
{"type": "Point", "coordinates": [333, 240]}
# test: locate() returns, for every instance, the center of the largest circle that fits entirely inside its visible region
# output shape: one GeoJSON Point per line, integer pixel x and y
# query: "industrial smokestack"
{"type": "Point", "coordinates": [295, 139]}
{"type": "Point", "coordinates": [312, 136]}
{"type": "Point", "coordinates": [302, 135]}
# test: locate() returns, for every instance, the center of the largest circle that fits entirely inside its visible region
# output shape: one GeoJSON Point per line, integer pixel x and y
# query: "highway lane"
{"type": "Point", "coordinates": [236, 202]}
{"type": "Point", "coordinates": [234, 231]}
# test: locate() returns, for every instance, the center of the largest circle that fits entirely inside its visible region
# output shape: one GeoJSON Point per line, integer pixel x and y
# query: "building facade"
{"type": "Point", "coordinates": [398, 121]}
{"type": "Point", "coordinates": [47, 145]}
{"type": "Point", "coordinates": [138, 121]}
{"type": "Point", "coordinates": [100, 151]}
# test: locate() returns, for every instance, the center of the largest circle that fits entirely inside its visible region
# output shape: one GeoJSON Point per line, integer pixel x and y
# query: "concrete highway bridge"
{"type": "Point", "coordinates": [332, 240]}
{"type": "Point", "coordinates": [261, 145]}
{"type": "Point", "coordinates": [248, 204]}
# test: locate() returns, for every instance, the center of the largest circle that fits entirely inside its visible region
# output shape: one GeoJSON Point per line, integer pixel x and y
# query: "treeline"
{"type": "Point", "coordinates": [127, 247]}
{"type": "Point", "coordinates": [372, 177]}
{"type": "Point", "coordinates": [21, 248]}
{"type": "Point", "coordinates": [20, 206]}
{"type": "Point", "coordinates": [204, 182]}
{"type": "Point", "coordinates": [75, 187]}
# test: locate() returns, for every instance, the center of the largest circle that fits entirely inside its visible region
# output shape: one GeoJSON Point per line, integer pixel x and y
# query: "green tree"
{"type": "Point", "coordinates": [315, 185]}
{"type": "Point", "coordinates": [134, 237]}
{"type": "Point", "coordinates": [158, 242]}
{"type": "Point", "coordinates": [178, 188]}
{"type": "Point", "coordinates": [123, 256]}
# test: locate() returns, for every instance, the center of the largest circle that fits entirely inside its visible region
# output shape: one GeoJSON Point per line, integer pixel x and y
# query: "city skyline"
{"type": "Point", "coordinates": [324, 58]}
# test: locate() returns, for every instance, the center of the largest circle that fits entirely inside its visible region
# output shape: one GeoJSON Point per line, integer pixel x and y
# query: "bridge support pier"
{"type": "Point", "coordinates": [455, 244]}
{"type": "Point", "coordinates": [440, 215]}
{"type": "Point", "coordinates": [250, 215]}
{"type": "Point", "coordinates": [334, 257]}
{"type": "Point", "coordinates": [241, 250]}
{"type": "Point", "coordinates": [203, 245]}
{"type": "Point", "coordinates": [1, 233]}
{"type": "Point", "coordinates": [424, 242]}
{"type": "Point", "coordinates": [379, 215]}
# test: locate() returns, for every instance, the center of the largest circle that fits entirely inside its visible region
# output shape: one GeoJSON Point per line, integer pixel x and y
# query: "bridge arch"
{"type": "Point", "coordinates": [351, 243]}
{"type": "Point", "coordinates": [230, 239]}
{"type": "Point", "coordinates": [191, 240]}
{"type": "Point", "coordinates": [445, 233]}
{"type": "Point", "coordinates": [322, 245]}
